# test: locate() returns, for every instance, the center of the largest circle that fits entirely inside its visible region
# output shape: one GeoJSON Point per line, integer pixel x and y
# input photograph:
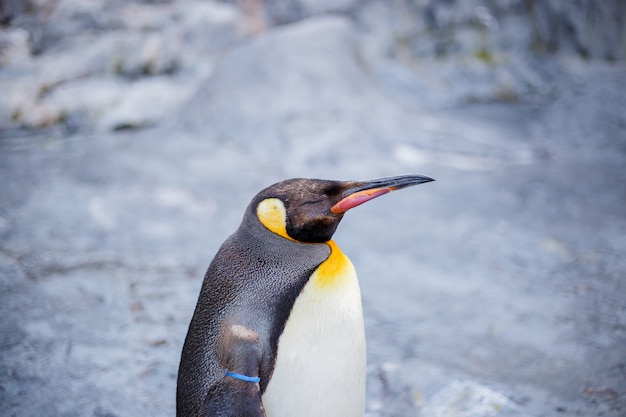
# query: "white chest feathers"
{"type": "Point", "coordinates": [320, 365]}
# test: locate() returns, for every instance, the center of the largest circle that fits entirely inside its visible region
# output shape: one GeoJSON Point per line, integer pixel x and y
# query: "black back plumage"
{"type": "Point", "coordinates": [253, 281]}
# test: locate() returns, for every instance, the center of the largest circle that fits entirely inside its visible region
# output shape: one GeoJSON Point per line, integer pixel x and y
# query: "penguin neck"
{"type": "Point", "coordinates": [330, 272]}
{"type": "Point", "coordinates": [269, 244]}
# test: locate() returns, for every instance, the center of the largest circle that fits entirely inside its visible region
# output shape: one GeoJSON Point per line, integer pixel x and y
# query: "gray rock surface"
{"type": "Point", "coordinates": [133, 134]}
{"type": "Point", "coordinates": [110, 65]}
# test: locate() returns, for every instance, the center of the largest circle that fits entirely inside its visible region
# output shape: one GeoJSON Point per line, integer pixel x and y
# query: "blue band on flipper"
{"type": "Point", "coordinates": [243, 377]}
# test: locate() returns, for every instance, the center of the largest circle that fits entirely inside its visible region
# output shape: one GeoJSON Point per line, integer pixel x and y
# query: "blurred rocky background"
{"type": "Point", "coordinates": [134, 133]}
{"type": "Point", "coordinates": [108, 65]}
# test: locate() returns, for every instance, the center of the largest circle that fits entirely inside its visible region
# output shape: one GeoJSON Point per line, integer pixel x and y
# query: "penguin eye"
{"type": "Point", "coordinates": [311, 202]}
{"type": "Point", "coordinates": [332, 190]}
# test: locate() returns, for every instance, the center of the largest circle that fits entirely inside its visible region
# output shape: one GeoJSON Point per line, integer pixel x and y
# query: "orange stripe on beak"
{"type": "Point", "coordinates": [359, 192]}
{"type": "Point", "coordinates": [359, 198]}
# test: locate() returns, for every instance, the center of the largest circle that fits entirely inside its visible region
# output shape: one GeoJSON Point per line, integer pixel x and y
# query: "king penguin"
{"type": "Point", "coordinates": [278, 328]}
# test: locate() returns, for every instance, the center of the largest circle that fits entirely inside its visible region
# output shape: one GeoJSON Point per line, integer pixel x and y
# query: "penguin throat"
{"type": "Point", "coordinates": [273, 215]}
{"type": "Point", "coordinates": [334, 270]}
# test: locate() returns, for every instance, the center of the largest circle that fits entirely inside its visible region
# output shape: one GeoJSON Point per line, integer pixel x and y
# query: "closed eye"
{"type": "Point", "coordinates": [311, 202]}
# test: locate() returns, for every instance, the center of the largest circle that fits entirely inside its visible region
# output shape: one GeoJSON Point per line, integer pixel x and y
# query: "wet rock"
{"type": "Point", "coordinates": [14, 46]}
{"type": "Point", "coordinates": [307, 78]}
{"type": "Point", "coordinates": [282, 12]}
{"type": "Point", "coordinates": [577, 111]}
{"type": "Point", "coordinates": [470, 399]}
{"type": "Point", "coordinates": [590, 29]}
{"type": "Point", "coordinates": [137, 55]}
{"type": "Point", "coordinates": [438, 28]}
{"type": "Point", "coordinates": [484, 48]}
{"type": "Point", "coordinates": [480, 53]}
{"type": "Point", "coordinates": [11, 9]}
{"type": "Point", "coordinates": [146, 103]}
{"type": "Point", "coordinates": [96, 80]}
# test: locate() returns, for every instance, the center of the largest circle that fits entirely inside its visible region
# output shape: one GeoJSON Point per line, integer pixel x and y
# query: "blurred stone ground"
{"type": "Point", "coordinates": [133, 134]}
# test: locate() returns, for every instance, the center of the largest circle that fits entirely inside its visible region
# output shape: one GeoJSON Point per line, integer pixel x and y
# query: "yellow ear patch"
{"type": "Point", "coordinates": [273, 215]}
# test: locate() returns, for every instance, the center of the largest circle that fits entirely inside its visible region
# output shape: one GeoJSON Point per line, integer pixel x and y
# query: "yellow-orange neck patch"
{"type": "Point", "coordinates": [334, 269]}
{"type": "Point", "coordinates": [273, 215]}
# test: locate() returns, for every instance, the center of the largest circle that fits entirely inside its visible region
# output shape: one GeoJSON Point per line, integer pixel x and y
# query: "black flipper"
{"type": "Point", "coordinates": [234, 396]}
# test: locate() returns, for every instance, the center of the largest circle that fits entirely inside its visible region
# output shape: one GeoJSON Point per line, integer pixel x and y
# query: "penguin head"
{"type": "Point", "coordinates": [309, 210]}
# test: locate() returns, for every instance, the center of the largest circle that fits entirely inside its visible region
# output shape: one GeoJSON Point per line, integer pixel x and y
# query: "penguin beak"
{"type": "Point", "coordinates": [362, 192]}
